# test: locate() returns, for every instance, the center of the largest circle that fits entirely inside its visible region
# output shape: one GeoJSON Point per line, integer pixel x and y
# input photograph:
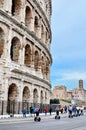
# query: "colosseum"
{"type": "Point", "coordinates": [25, 58]}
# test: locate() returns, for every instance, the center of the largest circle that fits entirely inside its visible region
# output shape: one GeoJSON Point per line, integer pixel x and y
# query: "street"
{"type": "Point", "coordinates": [75, 123]}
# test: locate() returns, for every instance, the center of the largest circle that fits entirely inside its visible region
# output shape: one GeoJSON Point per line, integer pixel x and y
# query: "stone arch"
{"type": "Point", "coordinates": [1, 41]}
{"type": "Point", "coordinates": [26, 94]}
{"type": "Point", "coordinates": [41, 97]}
{"type": "Point", "coordinates": [47, 65]}
{"type": "Point", "coordinates": [42, 32]}
{"type": "Point", "coordinates": [28, 17]}
{"type": "Point", "coordinates": [13, 92]}
{"type": "Point", "coordinates": [14, 50]}
{"type": "Point", "coordinates": [46, 36]}
{"type": "Point", "coordinates": [42, 65]}
{"type": "Point", "coordinates": [27, 60]}
{"type": "Point", "coordinates": [36, 60]}
{"type": "Point", "coordinates": [45, 96]}
{"type": "Point", "coordinates": [36, 24]}
{"type": "Point", "coordinates": [25, 98]}
{"type": "Point", "coordinates": [16, 7]}
{"type": "Point", "coordinates": [35, 96]}
{"type": "Point", "coordinates": [12, 99]}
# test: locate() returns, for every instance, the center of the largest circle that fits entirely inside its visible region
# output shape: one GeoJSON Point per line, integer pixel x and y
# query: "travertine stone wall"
{"type": "Point", "coordinates": [25, 58]}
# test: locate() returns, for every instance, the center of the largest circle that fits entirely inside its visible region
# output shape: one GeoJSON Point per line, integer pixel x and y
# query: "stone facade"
{"type": "Point", "coordinates": [79, 93]}
{"type": "Point", "coordinates": [59, 92]}
{"type": "Point", "coordinates": [25, 59]}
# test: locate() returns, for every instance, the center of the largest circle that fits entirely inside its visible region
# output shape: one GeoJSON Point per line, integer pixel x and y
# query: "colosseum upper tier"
{"type": "Point", "coordinates": [25, 59]}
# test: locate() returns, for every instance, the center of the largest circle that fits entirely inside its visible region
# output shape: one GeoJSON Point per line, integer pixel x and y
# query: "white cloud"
{"type": "Point", "coordinates": [72, 76]}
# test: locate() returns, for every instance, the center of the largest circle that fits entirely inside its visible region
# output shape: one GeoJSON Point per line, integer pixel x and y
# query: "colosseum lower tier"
{"type": "Point", "coordinates": [25, 59]}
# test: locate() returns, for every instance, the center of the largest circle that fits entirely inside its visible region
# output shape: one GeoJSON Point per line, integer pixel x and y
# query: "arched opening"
{"type": "Point", "coordinates": [47, 66]}
{"type": "Point", "coordinates": [26, 97]}
{"type": "Point", "coordinates": [45, 96]}
{"type": "Point", "coordinates": [16, 7]}
{"type": "Point", "coordinates": [36, 60]}
{"type": "Point", "coordinates": [27, 60]}
{"type": "Point", "coordinates": [28, 17]}
{"type": "Point", "coordinates": [42, 33]}
{"type": "Point", "coordinates": [41, 97]}
{"type": "Point", "coordinates": [42, 65]}
{"type": "Point", "coordinates": [26, 94]}
{"type": "Point", "coordinates": [14, 50]}
{"type": "Point", "coordinates": [36, 24]}
{"type": "Point", "coordinates": [46, 36]}
{"type": "Point", "coordinates": [35, 96]}
{"type": "Point", "coordinates": [1, 41]}
{"type": "Point", "coordinates": [12, 99]}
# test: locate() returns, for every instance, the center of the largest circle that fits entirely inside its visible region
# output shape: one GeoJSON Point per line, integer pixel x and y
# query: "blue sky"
{"type": "Point", "coordinates": [68, 46]}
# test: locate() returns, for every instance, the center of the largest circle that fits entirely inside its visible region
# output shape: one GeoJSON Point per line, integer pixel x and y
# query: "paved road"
{"type": "Point", "coordinates": [77, 123]}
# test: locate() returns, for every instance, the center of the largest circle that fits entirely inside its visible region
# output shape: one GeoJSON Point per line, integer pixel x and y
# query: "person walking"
{"type": "Point", "coordinates": [50, 110]}
{"type": "Point", "coordinates": [24, 112]}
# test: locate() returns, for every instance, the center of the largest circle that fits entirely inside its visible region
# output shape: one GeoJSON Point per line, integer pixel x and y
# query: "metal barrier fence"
{"type": "Point", "coordinates": [13, 107]}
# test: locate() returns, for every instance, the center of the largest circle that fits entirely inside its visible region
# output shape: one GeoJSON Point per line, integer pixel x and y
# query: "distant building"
{"type": "Point", "coordinates": [76, 93]}
{"type": "Point", "coordinates": [59, 92]}
{"type": "Point", "coordinates": [79, 93]}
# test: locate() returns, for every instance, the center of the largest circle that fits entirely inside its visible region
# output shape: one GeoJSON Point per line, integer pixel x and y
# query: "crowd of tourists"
{"type": "Point", "coordinates": [71, 110]}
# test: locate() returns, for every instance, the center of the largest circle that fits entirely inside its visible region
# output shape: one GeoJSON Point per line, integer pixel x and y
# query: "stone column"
{"type": "Point", "coordinates": [22, 51]}
{"type": "Point", "coordinates": [31, 93]}
{"type": "Point", "coordinates": [39, 95]}
{"type": "Point", "coordinates": [20, 100]}
{"type": "Point", "coordinates": [32, 61]}
{"type": "Point", "coordinates": [31, 24]}
{"type": "Point", "coordinates": [5, 90]}
{"type": "Point", "coordinates": [8, 44]}
{"type": "Point", "coordinates": [38, 32]}
{"type": "Point", "coordinates": [7, 6]}
{"type": "Point", "coordinates": [22, 13]}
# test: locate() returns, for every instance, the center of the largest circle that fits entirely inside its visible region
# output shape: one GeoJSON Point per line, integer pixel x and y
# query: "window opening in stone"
{"type": "Point", "coordinates": [12, 99]}
{"type": "Point", "coordinates": [36, 24]}
{"type": "Point", "coordinates": [45, 95]}
{"type": "Point", "coordinates": [26, 94]}
{"type": "Point", "coordinates": [13, 7]}
{"type": "Point", "coordinates": [41, 97]}
{"type": "Point", "coordinates": [1, 42]}
{"type": "Point", "coordinates": [27, 60]}
{"type": "Point", "coordinates": [42, 65]}
{"type": "Point", "coordinates": [14, 51]}
{"type": "Point", "coordinates": [16, 6]}
{"type": "Point", "coordinates": [36, 60]}
{"type": "Point", "coordinates": [42, 32]}
{"type": "Point", "coordinates": [35, 96]}
{"type": "Point", "coordinates": [28, 17]}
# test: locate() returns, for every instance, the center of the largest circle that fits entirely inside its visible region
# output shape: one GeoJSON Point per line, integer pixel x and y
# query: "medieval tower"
{"type": "Point", "coordinates": [25, 59]}
{"type": "Point", "coordinates": [81, 84]}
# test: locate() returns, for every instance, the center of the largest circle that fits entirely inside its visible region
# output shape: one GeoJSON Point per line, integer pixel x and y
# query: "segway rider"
{"type": "Point", "coordinates": [37, 110]}
{"type": "Point", "coordinates": [78, 111]}
{"type": "Point", "coordinates": [70, 110]}
{"type": "Point", "coordinates": [57, 111]}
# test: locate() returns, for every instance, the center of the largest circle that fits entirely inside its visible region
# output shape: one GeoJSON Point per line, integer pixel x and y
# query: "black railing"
{"type": "Point", "coordinates": [14, 107]}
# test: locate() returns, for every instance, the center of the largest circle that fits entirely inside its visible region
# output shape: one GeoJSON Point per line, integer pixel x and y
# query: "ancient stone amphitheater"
{"type": "Point", "coordinates": [25, 59]}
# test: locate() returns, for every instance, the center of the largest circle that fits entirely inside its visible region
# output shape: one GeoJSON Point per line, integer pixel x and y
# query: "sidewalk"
{"type": "Point", "coordinates": [16, 118]}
